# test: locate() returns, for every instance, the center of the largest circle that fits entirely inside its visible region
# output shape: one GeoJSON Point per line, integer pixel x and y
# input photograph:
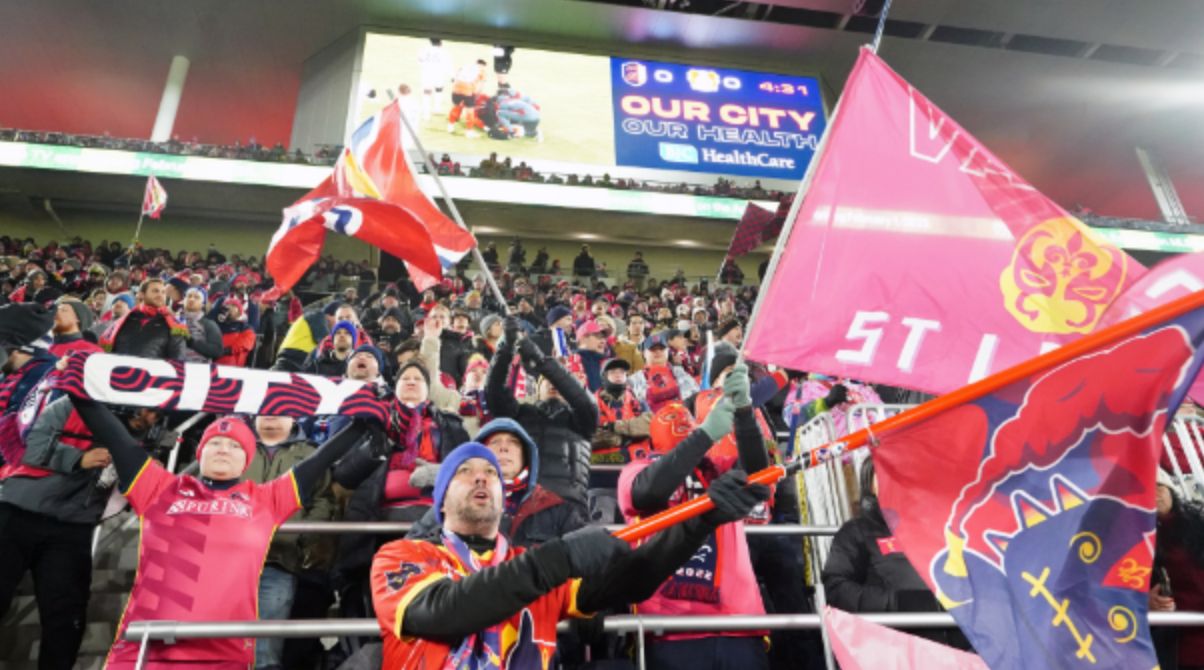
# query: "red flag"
{"type": "Point", "coordinates": [862, 645]}
{"type": "Point", "coordinates": [1037, 535]}
{"type": "Point", "coordinates": [918, 259]}
{"type": "Point", "coordinates": [757, 225]}
{"type": "Point", "coordinates": [371, 195]}
{"type": "Point", "coordinates": [154, 199]}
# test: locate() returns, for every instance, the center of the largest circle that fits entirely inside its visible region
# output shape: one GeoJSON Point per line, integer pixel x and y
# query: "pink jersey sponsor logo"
{"type": "Point", "coordinates": [219, 507]}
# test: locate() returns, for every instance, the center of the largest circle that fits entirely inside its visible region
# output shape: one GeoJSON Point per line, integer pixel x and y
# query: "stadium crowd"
{"type": "Point", "coordinates": [498, 416]}
{"type": "Point", "coordinates": [489, 168]}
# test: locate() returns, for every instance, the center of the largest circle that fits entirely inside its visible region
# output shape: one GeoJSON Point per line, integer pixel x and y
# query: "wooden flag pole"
{"type": "Point", "coordinates": [866, 436]}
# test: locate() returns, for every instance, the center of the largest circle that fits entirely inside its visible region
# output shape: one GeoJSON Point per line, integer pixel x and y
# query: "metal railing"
{"type": "Point", "coordinates": [144, 632]}
{"type": "Point", "coordinates": [352, 527]}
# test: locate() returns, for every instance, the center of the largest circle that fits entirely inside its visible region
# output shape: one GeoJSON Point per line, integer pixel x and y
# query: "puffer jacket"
{"type": "Point", "coordinates": [292, 551]}
{"type": "Point", "coordinates": [61, 489]}
{"type": "Point", "coordinates": [149, 337]}
{"type": "Point", "coordinates": [541, 515]}
{"type": "Point", "coordinates": [866, 571]}
{"type": "Point", "coordinates": [562, 427]}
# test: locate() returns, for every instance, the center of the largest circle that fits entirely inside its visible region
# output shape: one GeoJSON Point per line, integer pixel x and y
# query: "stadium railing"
{"type": "Point", "coordinates": [144, 632]}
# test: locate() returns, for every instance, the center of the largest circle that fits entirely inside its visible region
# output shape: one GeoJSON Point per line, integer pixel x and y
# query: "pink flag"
{"type": "Point", "coordinates": [861, 645]}
{"type": "Point", "coordinates": [919, 259]}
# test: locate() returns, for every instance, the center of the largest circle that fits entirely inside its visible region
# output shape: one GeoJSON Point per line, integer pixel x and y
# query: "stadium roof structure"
{"type": "Point", "coordinates": [1062, 91]}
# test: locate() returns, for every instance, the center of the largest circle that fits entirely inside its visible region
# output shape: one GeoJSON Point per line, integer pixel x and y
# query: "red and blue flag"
{"type": "Point", "coordinates": [1038, 533]}
{"type": "Point", "coordinates": [371, 195]}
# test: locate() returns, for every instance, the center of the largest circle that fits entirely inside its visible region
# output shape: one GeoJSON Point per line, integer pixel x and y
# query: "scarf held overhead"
{"type": "Point", "coordinates": [202, 387]}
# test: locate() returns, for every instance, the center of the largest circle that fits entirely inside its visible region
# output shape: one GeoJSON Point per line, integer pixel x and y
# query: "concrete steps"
{"type": "Point", "coordinates": [112, 578]}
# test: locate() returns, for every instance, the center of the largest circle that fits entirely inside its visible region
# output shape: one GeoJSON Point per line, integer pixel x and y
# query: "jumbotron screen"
{"type": "Point", "coordinates": [474, 99]}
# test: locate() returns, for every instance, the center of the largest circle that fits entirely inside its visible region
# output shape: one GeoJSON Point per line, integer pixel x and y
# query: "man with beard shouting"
{"type": "Point", "coordinates": [467, 598]}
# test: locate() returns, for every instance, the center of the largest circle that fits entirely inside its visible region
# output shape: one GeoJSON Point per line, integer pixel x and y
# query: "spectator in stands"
{"type": "Point", "coordinates": [303, 337]}
{"type": "Point", "coordinates": [1175, 583]}
{"type": "Point", "coordinates": [561, 421]}
{"type": "Point", "coordinates": [660, 383]}
{"type": "Point", "coordinates": [593, 351]}
{"type": "Point", "coordinates": [438, 611]}
{"type": "Point", "coordinates": [149, 330]}
{"type": "Point", "coordinates": [624, 423]}
{"type": "Point", "coordinates": [454, 346]}
{"type": "Point", "coordinates": [731, 273]}
{"type": "Point", "coordinates": [637, 270]}
{"type": "Point", "coordinates": [490, 256]}
{"type": "Point", "coordinates": [204, 342]}
{"type": "Point", "coordinates": [212, 561]}
{"type": "Point", "coordinates": [72, 319]}
{"type": "Point", "coordinates": [540, 264]}
{"type": "Point", "coordinates": [866, 570]}
{"type": "Point", "coordinates": [531, 514]}
{"type": "Point", "coordinates": [443, 392]}
{"type": "Point", "coordinates": [717, 581]}
{"type": "Point", "coordinates": [516, 260]}
{"type": "Point", "coordinates": [238, 334]}
{"type": "Point", "coordinates": [559, 324]}
{"type": "Point", "coordinates": [280, 446]}
{"type": "Point", "coordinates": [583, 264]}
{"type": "Point", "coordinates": [332, 362]}
{"type": "Point", "coordinates": [629, 344]}
{"type": "Point", "coordinates": [391, 477]}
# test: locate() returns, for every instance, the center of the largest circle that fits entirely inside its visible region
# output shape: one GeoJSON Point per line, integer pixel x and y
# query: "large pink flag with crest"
{"type": "Point", "coordinates": [919, 259]}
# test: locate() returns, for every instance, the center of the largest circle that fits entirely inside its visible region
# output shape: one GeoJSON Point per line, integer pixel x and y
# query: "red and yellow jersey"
{"type": "Point", "coordinates": [404, 568]}
{"type": "Point", "coordinates": [200, 554]}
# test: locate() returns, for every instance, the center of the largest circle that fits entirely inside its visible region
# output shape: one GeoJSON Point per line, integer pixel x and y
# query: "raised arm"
{"type": "Point", "coordinates": [128, 455]}
{"type": "Point", "coordinates": [498, 396]}
{"type": "Point", "coordinates": [585, 412]}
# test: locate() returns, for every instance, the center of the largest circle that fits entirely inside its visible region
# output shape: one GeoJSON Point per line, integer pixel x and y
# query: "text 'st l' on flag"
{"type": "Point", "coordinates": [1030, 510]}
{"type": "Point", "coordinates": [918, 259]}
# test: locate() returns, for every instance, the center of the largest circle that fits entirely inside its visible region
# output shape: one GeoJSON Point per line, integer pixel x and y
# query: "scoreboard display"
{"type": "Point", "coordinates": [708, 119]}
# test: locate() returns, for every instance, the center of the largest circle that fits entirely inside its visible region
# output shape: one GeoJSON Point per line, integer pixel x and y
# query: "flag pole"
{"type": "Point", "coordinates": [881, 27]}
{"type": "Point", "coordinates": [919, 413]}
{"type": "Point", "coordinates": [451, 205]}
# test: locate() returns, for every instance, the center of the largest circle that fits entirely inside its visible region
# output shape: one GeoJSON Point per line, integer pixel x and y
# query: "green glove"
{"type": "Point", "coordinates": [736, 386]}
{"type": "Point", "coordinates": [719, 422]}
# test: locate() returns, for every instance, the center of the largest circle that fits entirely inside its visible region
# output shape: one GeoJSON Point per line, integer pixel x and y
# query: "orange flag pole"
{"type": "Point", "coordinates": [978, 389]}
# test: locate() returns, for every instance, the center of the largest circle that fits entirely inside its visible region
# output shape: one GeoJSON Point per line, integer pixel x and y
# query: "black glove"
{"type": "Point", "coordinates": [734, 497]}
{"type": "Point", "coordinates": [836, 395]}
{"type": "Point", "coordinates": [591, 550]}
{"type": "Point", "coordinates": [510, 331]}
{"type": "Point", "coordinates": [530, 352]}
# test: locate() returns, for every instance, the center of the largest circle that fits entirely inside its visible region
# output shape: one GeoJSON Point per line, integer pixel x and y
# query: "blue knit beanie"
{"type": "Point", "coordinates": [447, 470]}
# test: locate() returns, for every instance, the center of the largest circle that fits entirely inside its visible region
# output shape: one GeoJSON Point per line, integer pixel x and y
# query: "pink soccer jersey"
{"type": "Point", "coordinates": [200, 555]}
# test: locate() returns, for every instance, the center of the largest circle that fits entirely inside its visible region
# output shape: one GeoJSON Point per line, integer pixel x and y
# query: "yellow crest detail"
{"type": "Point", "coordinates": [1061, 278]}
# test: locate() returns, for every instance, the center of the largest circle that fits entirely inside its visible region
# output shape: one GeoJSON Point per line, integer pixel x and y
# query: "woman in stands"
{"type": "Point", "coordinates": [203, 539]}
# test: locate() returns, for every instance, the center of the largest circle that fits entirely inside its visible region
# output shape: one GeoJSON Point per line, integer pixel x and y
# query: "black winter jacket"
{"type": "Point", "coordinates": [148, 337]}
{"type": "Point", "coordinates": [562, 429]}
{"type": "Point", "coordinates": [866, 571]}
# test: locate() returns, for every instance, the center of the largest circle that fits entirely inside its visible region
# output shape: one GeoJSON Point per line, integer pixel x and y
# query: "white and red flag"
{"type": "Point", "coordinates": [154, 199]}
{"type": "Point", "coordinates": [371, 195]}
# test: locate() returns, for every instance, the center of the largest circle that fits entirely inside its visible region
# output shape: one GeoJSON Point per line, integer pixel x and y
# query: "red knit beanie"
{"type": "Point", "coordinates": [234, 428]}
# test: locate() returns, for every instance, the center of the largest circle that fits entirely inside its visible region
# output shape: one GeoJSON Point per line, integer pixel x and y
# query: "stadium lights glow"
{"type": "Point", "coordinates": [586, 236]}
